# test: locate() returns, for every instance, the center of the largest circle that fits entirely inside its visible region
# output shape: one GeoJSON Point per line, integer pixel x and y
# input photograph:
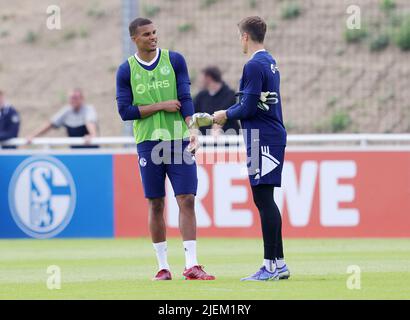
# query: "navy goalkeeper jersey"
{"type": "Point", "coordinates": [260, 74]}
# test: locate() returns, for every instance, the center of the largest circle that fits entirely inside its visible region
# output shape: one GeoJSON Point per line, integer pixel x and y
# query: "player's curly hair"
{"type": "Point", "coordinates": [255, 27]}
{"type": "Point", "coordinates": [138, 22]}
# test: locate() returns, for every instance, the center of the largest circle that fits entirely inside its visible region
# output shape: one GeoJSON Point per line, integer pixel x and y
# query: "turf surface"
{"type": "Point", "coordinates": [122, 269]}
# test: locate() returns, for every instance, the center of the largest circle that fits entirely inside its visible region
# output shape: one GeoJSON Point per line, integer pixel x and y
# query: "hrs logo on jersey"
{"type": "Point", "coordinates": [142, 88]}
{"type": "Point", "coordinates": [42, 196]}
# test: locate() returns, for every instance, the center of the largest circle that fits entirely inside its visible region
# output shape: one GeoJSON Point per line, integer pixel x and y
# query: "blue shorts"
{"type": "Point", "coordinates": [158, 159]}
{"type": "Point", "coordinates": [265, 165]}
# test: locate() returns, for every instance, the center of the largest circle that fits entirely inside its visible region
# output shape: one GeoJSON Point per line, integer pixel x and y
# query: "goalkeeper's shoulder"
{"type": "Point", "coordinates": [253, 67]}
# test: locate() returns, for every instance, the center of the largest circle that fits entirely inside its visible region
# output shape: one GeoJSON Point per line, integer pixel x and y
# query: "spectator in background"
{"type": "Point", "coordinates": [215, 95]}
{"type": "Point", "coordinates": [9, 122]}
{"type": "Point", "coordinates": [79, 119]}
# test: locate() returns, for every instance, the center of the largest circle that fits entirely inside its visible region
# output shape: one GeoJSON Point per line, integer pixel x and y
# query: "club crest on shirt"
{"type": "Point", "coordinates": [143, 162]}
{"type": "Point", "coordinates": [274, 68]}
{"type": "Point", "coordinates": [165, 70]}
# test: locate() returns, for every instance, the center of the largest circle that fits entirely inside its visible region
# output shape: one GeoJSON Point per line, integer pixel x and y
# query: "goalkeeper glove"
{"type": "Point", "coordinates": [265, 100]}
{"type": "Point", "coordinates": [201, 119]}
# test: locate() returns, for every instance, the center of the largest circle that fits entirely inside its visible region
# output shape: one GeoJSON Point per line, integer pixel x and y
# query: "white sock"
{"type": "Point", "coordinates": [280, 263]}
{"type": "Point", "coordinates": [161, 252]}
{"type": "Point", "coordinates": [190, 253]}
{"type": "Point", "coordinates": [269, 265]}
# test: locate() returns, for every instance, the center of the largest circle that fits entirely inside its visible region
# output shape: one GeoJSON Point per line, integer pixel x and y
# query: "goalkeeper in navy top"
{"type": "Point", "coordinates": [260, 112]}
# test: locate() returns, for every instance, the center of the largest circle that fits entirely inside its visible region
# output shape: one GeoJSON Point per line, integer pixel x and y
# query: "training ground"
{"type": "Point", "coordinates": [123, 268]}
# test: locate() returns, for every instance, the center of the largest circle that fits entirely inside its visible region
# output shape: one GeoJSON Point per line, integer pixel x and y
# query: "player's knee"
{"type": "Point", "coordinates": [258, 202]}
{"type": "Point", "coordinates": [186, 202]}
{"type": "Point", "coordinates": [157, 206]}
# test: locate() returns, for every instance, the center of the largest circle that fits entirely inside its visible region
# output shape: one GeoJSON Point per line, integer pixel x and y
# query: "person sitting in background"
{"type": "Point", "coordinates": [215, 95]}
{"type": "Point", "coordinates": [79, 119]}
{"type": "Point", "coordinates": [9, 122]}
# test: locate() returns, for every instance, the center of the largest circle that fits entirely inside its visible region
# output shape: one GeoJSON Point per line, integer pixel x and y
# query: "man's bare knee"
{"type": "Point", "coordinates": [186, 201]}
{"type": "Point", "coordinates": [157, 206]}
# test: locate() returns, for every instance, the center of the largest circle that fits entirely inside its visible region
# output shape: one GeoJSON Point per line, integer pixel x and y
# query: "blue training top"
{"type": "Point", "coordinates": [124, 95]}
{"type": "Point", "coordinates": [260, 74]}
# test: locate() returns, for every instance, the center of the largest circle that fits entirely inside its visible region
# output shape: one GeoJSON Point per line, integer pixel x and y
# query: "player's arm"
{"type": "Point", "coordinates": [184, 95]}
{"type": "Point", "coordinates": [247, 106]}
{"type": "Point", "coordinates": [183, 85]}
{"type": "Point", "coordinates": [126, 109]}
{"type": "Point", "coordinates": [252, 88]}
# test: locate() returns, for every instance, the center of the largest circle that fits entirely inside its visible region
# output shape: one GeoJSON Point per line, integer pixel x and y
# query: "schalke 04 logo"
{"type": "Point", "coordinates": [42, 196]}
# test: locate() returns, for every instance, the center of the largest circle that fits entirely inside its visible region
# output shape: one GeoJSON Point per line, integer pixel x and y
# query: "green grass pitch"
{"type": "Point", "coordinates": [122, 269]}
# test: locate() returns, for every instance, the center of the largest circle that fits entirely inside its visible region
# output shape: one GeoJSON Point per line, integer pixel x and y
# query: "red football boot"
{"type": "Point", "coordinates": [197, 273]}
{"type": "Point", "coordinates": [163, 274]}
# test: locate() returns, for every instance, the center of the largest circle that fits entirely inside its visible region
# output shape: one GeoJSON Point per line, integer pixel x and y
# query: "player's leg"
{"type": "Point", "coordinates": [263, 199]}
{"type": "Point", "coordinates": [275, 177]}
{"type": "Point", "coordinates": [281, 266]}
{"type": "Point", "coordinates": [270, 222]}
{"type": "Point", "coordinates": [270, 218]}
{"type": "Point", "coordinates": [157, 228]}
{"type": "Point", "coordinates": [263, 180]}
{"type": "Point", "coordinates": [183, 177]}
{"type": "Point", "coordinates": [279, 249]}
{"type": "Point", "coordinates": [153, 181]}
{"type": "Point", "coordinates": [187, 227]}
{"type": "Point", "coordinates": [156, 222]}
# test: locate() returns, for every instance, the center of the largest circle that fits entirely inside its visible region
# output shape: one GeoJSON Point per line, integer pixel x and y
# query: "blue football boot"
{"type": "Point", "coordinates": [263, 275]}
{"type": "Point", "coordinates": [283, 272]}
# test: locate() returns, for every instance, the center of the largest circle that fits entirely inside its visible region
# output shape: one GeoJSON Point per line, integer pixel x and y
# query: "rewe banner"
{"type": "Point", "coordinates": [323, 194]}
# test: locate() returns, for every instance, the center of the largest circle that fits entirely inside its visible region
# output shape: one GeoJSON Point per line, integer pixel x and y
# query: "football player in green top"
{"type": "Point", "coordinates": [153, 90]}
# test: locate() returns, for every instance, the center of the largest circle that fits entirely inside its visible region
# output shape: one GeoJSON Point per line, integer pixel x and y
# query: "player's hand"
{"type": "Point", "coordinates": [171, 105]}
{"type": "Point", "coordinates": [193, 142]}
{"type": "Point", "coordinates": [220, 117]}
